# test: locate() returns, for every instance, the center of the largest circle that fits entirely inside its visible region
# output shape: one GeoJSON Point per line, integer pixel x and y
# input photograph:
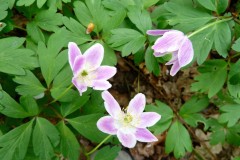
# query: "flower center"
{"type": "Point", "coordinates": [128, 118]}
{"type": "Point", "coordinates": [84, 73]}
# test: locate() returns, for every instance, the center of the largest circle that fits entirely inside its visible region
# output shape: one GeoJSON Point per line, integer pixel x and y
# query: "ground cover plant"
{"type": "Point", "coordinates": [100, 79]}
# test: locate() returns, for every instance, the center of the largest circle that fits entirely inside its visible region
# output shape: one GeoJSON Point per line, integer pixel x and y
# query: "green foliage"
{"type": "Point", "coordinates": [151, 62]}
{"type": "Point", "coordinates": [212, 78]}
{"type": "Point", "coordinates": [166, 116]}
{"type": "Point", "coordinates": [190, 110]}
{"type": "Point", "coordinates": [178, 140]}
{"type": "Point", "coordinates": [233, 80]}
{"type": "Point", "coordinates": [230, 114]}
{"type": "Point", "coordinates": [112, 153]}
{"type": "Point", "coordinates": [215, 5]}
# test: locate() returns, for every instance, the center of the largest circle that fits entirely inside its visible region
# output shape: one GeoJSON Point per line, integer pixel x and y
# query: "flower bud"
{"type": "Point", "coordinates": [90, 28]}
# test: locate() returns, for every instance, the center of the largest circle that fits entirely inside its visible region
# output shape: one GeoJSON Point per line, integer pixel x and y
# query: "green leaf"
{"type": "Point", "coordinates": [178, 140]}
{"type": "Point", "coordinates": [233, 135]}
{"type": "Point", "coordinates": [218, 132]}
{"type": "Point", "coordinates": [185, 16]}
{"type": "Point", "coordinates": [14, 60]}
{"type": "Point", "coordinates": [110, 57]}
{"type": "Point", "coordinates": [48, 20]}
{"type": "Point", "coordinates": [30, 105]}
{"type": "Point", "coordinates": [222, 38]}
{"type": "Point", "coordinates": [236, 45]}
{"type": "Point", "coordinates": [68, 108]}
{"type": "Point", "coordinates": [40, 3]}
{"type": "Point", "coordinates": [221, 5]}
{"type": "Point", "coordinates": [86, 126]}
{"type": "Point", "coordinates": [15, 143]}
{"type": "Point", "coordinates": [233, 80]}
{"type": "Point", "coordinates": [189, 111]}
{"type": "Point", "coordinates": [140, 18]}
{"type": "Point", "coordinates": [215, 5]}
{"type": "Point", "coordinates": [166, 116]}
{"type": "Point", "coordinates": [35, 32]}
{"type": "Point", "coordinates": [209, 4]}
{"type": "Point", "coordinates": [112, 153]}
{"type": "Point", "coordinates": [82, 13]}
{"type": "Point", "coordinates": [149, 3]}
{"type": "Point", "coordinates": [25, 2]}
{"type": "Point", "coordinates": [151, 62]}
{"type": "Point", "coordinates": [212, 77]}
{"type": "Point", "coordinates": [51, 61]}
{"type": "Point", "coordinates": [69, 145]}
{"type": "Point", "coordinates": [3, 9]}
{"type": "Point", "coordinates": [11, 108]}
{"type": "Point", "coordinates": [202, 44]}
{"type": "Point", "coordinates": [45, 138]}
{"type": "Point", "coordinates": [126, 40]}
{"type": "Point", "coordinates": [29, 84]}
{"type": "Point", "coordinates": [230, 114]}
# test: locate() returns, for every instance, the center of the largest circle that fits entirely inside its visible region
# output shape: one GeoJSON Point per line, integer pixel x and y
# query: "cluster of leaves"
{"type": "Point", "coordinates": [39, 122]}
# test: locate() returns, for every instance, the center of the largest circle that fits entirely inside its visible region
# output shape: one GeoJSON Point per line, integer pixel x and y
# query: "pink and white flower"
{"type": "Point", "coordinates": [129, 125]}
{"type": "Point", "coordinates": [86, 68]}
{"type": "Point", "coordinates": [175, 42]}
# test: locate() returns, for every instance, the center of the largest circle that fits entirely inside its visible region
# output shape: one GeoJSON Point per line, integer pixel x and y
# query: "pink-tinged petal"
{"type": "Point", "coordinates": [148, 119]}
{"type": "Point", "coordinates": [73, 52]}
{"type": "Point", "coordinates": [78, 65]}
{"type": "Point", "coordinates": [111, 104]}
{"type": "Point", "coordinates": [175, 68]}
{"type": "Point", "coordinates": [144, 135]}
{"type": "Point", "coordinates": [169, 42]}
{"type": "Point", "coordinates": [185, 53]}
{"type": "Point", "coordinates": [106, 125]}
{"type": "Point", "coordinates": [157, 32]}
{"type": "Point", "coordinates": [105, 72]}
{"type": "Point", "coordinates": [94, 56]}
{"type": "Point", "coordinates": [101, 85]}
{"type": "Point", "coordinates": [173, 59]}
{"type": "Point", "coordinates": [137, 104]}
{"type": "Point", "coordinates": [159, 54]}
{"type": "Point", "coordinates": [127, 139]}
{"type": "Point", "coordinates": [80, 86]}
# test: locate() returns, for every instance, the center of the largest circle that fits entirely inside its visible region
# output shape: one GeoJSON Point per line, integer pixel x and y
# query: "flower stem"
{"type": "Point", "coordinates": [94, 149]}
{"type": "Point", "coordinates": [23, 29]}
{"type": "Point", "coordinates": [63, 93]}
{"type": "Point", "coordinates": [209, 25]}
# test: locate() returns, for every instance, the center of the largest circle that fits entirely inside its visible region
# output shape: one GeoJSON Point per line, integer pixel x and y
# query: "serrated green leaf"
{"type": "Point", "coordinates": [234, 89]}
{"type": "Point", "coordinates": [133, 46]}
{"type": "Point", "coordinates": [212, 77]}
{"type": "Point", "coordinates": [151, 62]}
{"type": "Point", "coordinates": [45, 138]}
{"type": "Point", "coordinates": [34, 32]}
{"type": "Point", "coordinates": [69, 145]}
{"type": "Point", "coordinates": [141, 19]}
{"type": "Point", "coordinates": [190, 110]}
{"type": "Point", "coordinates": [186, 17]}
{"type": "Point", "coordinates": [14, 60]}
{"type": "Point", "coordinates": [30, 105]}
{"type": "Point", "coordinates": [178, 140]}
{"type": "Point", "coordinates": [11, 108]}
{"type": "Point", "coordinates": [68, 108]}
{"type": "Point", "coordinates": [202, 44]}
{"type": "Point", "coordinates": [86, 126]}
{"type": "Point", "coordinates": [233, 135]}
{"type": "Point", "coordinates": [29, 84]}
{"type": "Point", "coordinates": [112, 153]}
{"type": "Point", "coordinates": [236, 45]}
{"type": "Point", "coordinates": [166, 116]}
{"type": "Point", "coordinates": [222, 38]}
{"type": "Point", "coordinates": [230, 114]}
{"type": "Point", "coordinates": [14, 144]}
{"type": "Point", "coordinates": [48, 20]}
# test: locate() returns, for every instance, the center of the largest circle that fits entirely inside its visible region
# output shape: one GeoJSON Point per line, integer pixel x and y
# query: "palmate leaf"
{"type": "Point", "coordinates": [29, 84]}
{"type": "Point", "coordinates": [190, 110]}
{"type": "Point", "coordinates": [112, 153]}
{"type": "Point", "coordinates": [230, 114]}
{"type": "Point", "coordinates": [69, 145]}
{"type": "Point", "coordinates": [14, 144]}
{"type": "Point", "coordinates": [178, 140]}
{"type": "Point", "coordinates": [126, 40]}
{"type": "Point", "coordinates": [45, 138]}
{"type": "Point", "coordinates": [186, 17]}
{"type": "Point", "coordinates": [86, 126]}
{"type": "Point", "coordinates": [212, 78]}
{"type": "Point", "coordinates": [166, 117]}
{"type": "Point", "coordinates": [12, 59]}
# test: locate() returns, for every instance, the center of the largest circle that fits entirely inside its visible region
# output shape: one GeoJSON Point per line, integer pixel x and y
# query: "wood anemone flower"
{"type": "Point", "coordinates": [86, 68]}
{"type": "Point", "coordinates": [129, 125]}
{"type": "Point", "coordinates": [175, 42]}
